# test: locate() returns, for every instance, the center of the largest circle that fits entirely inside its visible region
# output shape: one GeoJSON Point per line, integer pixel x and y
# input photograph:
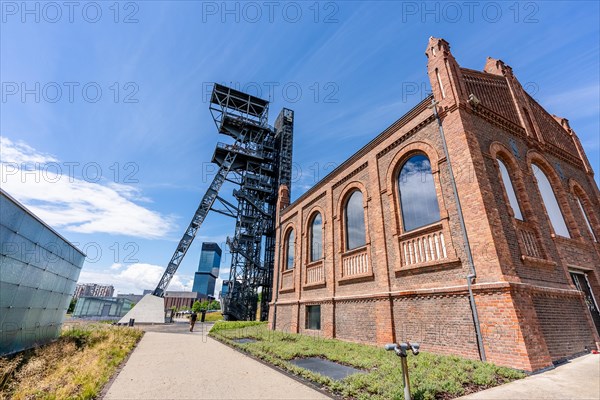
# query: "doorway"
{"type": "Point", "coordinates": [580, 279]}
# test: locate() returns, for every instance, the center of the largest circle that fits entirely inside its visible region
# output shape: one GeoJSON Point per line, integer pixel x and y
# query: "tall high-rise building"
{"type": "Point", "coordinates": [208, 270]}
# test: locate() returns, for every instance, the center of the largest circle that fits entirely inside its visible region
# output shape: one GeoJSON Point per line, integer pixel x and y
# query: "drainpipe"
{"type": "Point", "coordinates": [472, 273]}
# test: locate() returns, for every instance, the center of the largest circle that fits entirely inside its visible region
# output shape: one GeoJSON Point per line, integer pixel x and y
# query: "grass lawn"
{"type": "Point", "coordinates": [432, 376]}
{"type": "Point", "coordinates": [76, 366]}
{"type": "Point", "coordinates": [213, 316]}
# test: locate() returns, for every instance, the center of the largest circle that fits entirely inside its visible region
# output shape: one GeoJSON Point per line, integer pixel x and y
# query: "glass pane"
{"type": "Point", "coordinates": [316, 238]}
{"type": "Point", "coordinates": [550, 202]}
{"type": "Point", "coordinates": [290, 250]}
{"type": "Point", "coordinates": [510, 191]}
{"type": "Point", "coordinates": [355, 221]}
{"type": "Point", "coordinates": [418, 198]}
{"type": "Point", "coordinates": [587, 221]}
{"type": "Point", "coordinates": [313, 317]}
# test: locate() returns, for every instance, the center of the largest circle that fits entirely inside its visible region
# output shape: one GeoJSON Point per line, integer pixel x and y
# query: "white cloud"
{"type": "Point", "coordinates": [62, 200]}
{"type": "Point", "coordinates": [134, 278]}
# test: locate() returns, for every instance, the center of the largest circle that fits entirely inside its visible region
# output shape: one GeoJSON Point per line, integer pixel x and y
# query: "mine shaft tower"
{"type": "Point", "coordinates": [258, 161]}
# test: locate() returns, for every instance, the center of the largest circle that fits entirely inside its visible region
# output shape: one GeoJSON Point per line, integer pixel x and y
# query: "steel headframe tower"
{"type": "Point", "coordinates": [258, 162]}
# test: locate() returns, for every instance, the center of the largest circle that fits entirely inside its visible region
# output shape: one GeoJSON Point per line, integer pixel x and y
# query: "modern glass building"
{"type": "Point", "coordinates": [105, 308]}
{"type": "Point", "coordinates": [38, 273]}
{"type": "Point", "coordinates": [208, 270]}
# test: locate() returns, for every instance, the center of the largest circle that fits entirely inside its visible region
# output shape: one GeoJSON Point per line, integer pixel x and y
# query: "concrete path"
{"type": "Point", "coordinates": [578, 379]}
{"type": "Point", "coordinates": [172, 363]}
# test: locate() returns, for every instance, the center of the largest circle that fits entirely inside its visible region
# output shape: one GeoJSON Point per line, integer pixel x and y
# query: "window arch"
{"type": "Point", "coordinates": [587, 220]}
{"type": "Point", "coordinates": [355, 221]}
{"type": "Point", "coordinates": [316, 237]}
{"type": "Point", "coordinates": [510, 190]}
{"type": "Point", "coordinates": [289, 250]}
{"type": "Point", "coordinates": [550, 202]}
{"type": "Point", "coordinates": [418, 199]}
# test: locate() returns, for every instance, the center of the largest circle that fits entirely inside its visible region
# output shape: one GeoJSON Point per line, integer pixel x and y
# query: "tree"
{"type": "Point", "coordinates": [214, 305]}
{"type": "Point", "coordinates": [72, 305]}
{"type": "Point", "coordinates": [197, 306]}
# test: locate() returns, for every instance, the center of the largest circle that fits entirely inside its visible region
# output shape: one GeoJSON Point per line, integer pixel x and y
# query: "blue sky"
{"type": "Point", "coordinates": [122, 172]}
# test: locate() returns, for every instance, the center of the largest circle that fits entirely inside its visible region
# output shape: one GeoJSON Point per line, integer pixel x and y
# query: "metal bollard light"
{"type": "Point", "coordinates": [401, 351]}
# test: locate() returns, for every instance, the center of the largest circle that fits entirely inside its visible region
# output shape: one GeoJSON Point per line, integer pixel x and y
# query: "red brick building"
{"type": "Point", "coordinates": [502, 262]}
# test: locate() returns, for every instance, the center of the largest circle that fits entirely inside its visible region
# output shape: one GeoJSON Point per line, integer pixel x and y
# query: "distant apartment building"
{"type": "Point", "coordinates": [93, 290]}
{"type": "Point", "coordinates": [208, 270]}
{"type": "Point", "coordinates": [180, 299]}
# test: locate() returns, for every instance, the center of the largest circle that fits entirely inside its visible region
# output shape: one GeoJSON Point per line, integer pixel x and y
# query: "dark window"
{"type": "Point", "coordinates": [549, 199]}
{"type": "Point", "coordinates": [313, 317]}
{"type": "Point", "coordinates": [418, 199]}
{"type": "Point", "coordinates": [510, 191]}
{"type": "Point", "coordinates": [290, 250]}
{"type": "Point", "coordinates": [355, 221]}
{"type": "Point", "coordinates": [316, 238]}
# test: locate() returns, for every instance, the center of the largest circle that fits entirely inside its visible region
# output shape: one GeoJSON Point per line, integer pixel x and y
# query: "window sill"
{"type": "Point", "coordinates": [425, 267]}
{"type": "Point", "coordinates": [314, 285]}
{"type": "Point", "coordinates": [581, 243]}
{"type": "Point", "coordinates": [356, 278]}
{"type": "Point", "coordinates": [537, 262]}
{"type": "Point", "coordinates": [287, 290]}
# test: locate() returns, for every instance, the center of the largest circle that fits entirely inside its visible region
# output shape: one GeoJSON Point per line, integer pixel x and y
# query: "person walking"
{"type": "Point", "coordinates": [193, 319]}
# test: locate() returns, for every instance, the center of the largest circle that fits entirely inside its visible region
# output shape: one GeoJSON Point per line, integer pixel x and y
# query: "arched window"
{"type": "Point", "coordinates": [418, 199]}
{"type": "Point", "coordinates": [316, 238]}
{"type": "Point", "coordinates": [587, 220]}
{"type": "Point", "coordinates": [355, 221]}
{"type": "Point", "coordinates": [289, 248]}
{"type": "Point", "coordinates": [549, 199]}
{"type": "Point", "coordinates": [510, 190]}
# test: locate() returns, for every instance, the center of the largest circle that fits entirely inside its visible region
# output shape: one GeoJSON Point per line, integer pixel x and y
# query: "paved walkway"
{"type": "Point", "coordinates": [578, 379]}
{"type": "Point", "coordinates": [172, 363]}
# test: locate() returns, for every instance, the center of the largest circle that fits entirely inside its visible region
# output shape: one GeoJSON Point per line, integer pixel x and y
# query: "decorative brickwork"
{"type": "Point", "coordinates": [412, 285]}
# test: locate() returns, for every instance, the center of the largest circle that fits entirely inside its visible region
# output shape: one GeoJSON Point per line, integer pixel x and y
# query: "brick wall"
{"type": "Point", "coordinates": [561, 321]}
{"type": "Point", "coordinates": [522, 268]}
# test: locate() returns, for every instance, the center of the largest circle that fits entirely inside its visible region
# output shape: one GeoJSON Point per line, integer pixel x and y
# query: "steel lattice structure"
{"type": "Point", "coordinates": [258, 162]}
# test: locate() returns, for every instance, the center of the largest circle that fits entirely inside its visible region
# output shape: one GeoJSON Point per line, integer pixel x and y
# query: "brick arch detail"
{"type": "Point", "coordinates": [534, 157]}
{"type": "Point", "coordinates": [577, 190]}
{"type": "Point", "coordinates": [499, 151]}
{"type": "Point", "coordinates": [311, 214]}
{"type": "Point", "coordinates": [403, 154]}
{"type": "Point", "coordinates": [290, 226]}
{"type": "Point", "coordinates": [345, 194]}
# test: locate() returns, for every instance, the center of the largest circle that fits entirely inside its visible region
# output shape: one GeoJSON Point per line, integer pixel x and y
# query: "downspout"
{"type": "Point", "coordinates": [472, 273]}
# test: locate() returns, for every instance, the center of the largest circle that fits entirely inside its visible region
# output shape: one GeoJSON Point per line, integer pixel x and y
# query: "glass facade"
{"type": "Point", "coordinates": [38, 273]}
{"type": "Point", "coordinates": [102, 307]}
{"type": "Point", "coordinates": [355, 221]}
{"type": "Point", "coordinates": [208, 269]}
{"type": "Point", "coordinates": [510, 191]}
{"type": "Point", "coordinates": [549, 199]}
{"type": "Point", "coordinates": [290, 250]}
{"type": "Point", "coordinates": [418, 198]}
{"type": "Point", "coordinates": [316, 238]}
